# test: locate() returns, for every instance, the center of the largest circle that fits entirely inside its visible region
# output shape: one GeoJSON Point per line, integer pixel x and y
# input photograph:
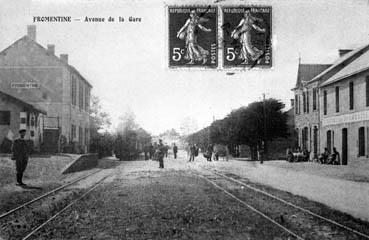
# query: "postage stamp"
{"type": "Point", "coordinates": [192, 36]}
{"type": "Point", "coordinates": [247, 32]}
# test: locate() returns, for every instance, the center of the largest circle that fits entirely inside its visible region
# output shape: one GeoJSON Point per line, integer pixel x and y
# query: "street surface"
{"type": "Point", "coordinates": [142, 201]}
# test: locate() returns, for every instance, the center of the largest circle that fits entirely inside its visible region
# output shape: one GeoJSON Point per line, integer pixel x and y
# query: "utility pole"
{"type": "Point", "coordinates": [264, 150]}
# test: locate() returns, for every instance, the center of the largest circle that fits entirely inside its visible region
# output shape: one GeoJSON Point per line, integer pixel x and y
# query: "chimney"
{"type": "Point", "coordinates": [342, 52]}
{"type": "Point", "coordinates": [51, 49]}
{"type": "Point", "coordinates": [31, 32]}
{"type": "Point", "coordinates": [64, 58]}
{"type": "Point", "coordinates": [292, 103]}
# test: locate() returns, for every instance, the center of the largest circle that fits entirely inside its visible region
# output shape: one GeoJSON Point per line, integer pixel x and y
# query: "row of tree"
{"type": "Point", "coordinates": [253, 125]}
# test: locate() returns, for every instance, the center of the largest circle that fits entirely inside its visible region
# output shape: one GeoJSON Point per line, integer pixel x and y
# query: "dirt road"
{"type": "Point", "coordinates": [145, 202]}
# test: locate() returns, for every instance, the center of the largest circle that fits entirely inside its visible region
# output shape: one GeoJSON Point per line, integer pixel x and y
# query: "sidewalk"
{"type": "Point", "coordinates": [339, 187]}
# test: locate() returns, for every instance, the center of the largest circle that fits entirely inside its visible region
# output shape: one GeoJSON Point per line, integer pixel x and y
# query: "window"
{"type": "Point", "coordinates": [367, 90]}
{"type": "Point", "coordinates": [299, 100]}
{"type": "Point", "coordinates": [307, 101]}
{"type": "Point", "coordinates": [361, 141]}
{"type": "Point", "coordinates": [86, 136]}
{"type": "Point", "coordinates": [87, 99]}
{"type": "Point", "coordinates": [325, 102]}
{"type": "Point", "coordinates": [80, 96]}
{"type": "Point", "coordinates": [304, 102]}
{"type": "Point", "coordinates": [4, 117]}
{"type": "Point", "coordinates": [73, 131]}
{"type": "Point", "coordinates": [351, 89]}
{"type": "Point", "coordinates": [74, 91]}
{"type": "Point", "coordinates": [314, 98]}
{"type": "Point", "coordinates": [296, 104]}
{"type": "Point", "coordinates": [337, 99]}
{"type": "Point", "coordinates": [80, 135]}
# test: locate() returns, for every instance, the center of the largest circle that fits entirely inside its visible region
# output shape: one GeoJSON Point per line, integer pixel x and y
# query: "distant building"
{"type": "Point", "coordinates": [332, 106]}
{"type": "Point", "coordinates": [35, 75]}
{"type": "Point", "coordinates": [16, 114]}
{"type": "Point", "coordinates": [306, 106]}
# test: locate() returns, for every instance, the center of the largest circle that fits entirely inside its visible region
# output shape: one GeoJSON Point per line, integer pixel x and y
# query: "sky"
{"type": "Point", "coordinates": [127, 62]}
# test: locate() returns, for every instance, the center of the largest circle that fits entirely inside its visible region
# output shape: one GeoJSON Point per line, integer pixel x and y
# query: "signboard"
{"type": "Point", "coordinates": [346, 118]}
{"type": "Point", "coordinates": [25, 85]}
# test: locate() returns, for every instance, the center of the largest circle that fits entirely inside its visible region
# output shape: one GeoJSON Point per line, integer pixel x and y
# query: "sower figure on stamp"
{"type": "Point", "coordinates": [20, 152]}
{"type": "Point", "coordinates": [175, 150]}
{"type": "Point", "coordinates": [161, 152]}
{"type": "Point", "coordinates": [243, 32]}
{"type": "Point", "coordinates": [194, 52]}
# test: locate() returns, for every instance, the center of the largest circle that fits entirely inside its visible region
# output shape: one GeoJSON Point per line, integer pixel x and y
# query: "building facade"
{"type": "Point", "coordinates": [306, 107]}
{"type": "Point", "coordinates": [34, 74]}
{"type": "Point", "coordinates": [16, 114]}
{"type": "Point", "coordinates": [345, 110]}
{"type": "Point", "coordinates": [331, 106]}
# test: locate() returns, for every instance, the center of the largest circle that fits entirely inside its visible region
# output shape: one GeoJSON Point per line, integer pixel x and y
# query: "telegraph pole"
{"type": "Point", "coordinates": [264, 150]}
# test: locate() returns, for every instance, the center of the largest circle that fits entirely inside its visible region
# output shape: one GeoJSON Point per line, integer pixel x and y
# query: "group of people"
{"type": "Point", "coordinates": [297, 155]}
{"type": "Point", "coordinates": [303, 155]}
{"type": "Point", "coordinates": [326, 158]}
{"type": "Point", "coordinates": [211, 152]}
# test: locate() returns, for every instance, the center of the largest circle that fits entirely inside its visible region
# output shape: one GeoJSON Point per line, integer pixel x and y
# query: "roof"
{"type": "Point", "coordinates": [348, 56]}
{"type": "Point", "coordinates": [306, 72]}
{"type": "Point", "coordinates": [27, 105]}
{"type": "Point", "coordinates": [70, 67]}
{"type": "Point", "coordinates": [360, 64]}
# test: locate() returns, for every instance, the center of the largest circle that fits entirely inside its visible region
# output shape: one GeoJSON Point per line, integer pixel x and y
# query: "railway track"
{"type": "Point", "coordinates": [16, 209]}
{"type": "Point", "coordinates": [39, 227]}
{"type": "Point", "coordinates": [278, 207]}
{"type": "Point", "coordinates": [58, 189]}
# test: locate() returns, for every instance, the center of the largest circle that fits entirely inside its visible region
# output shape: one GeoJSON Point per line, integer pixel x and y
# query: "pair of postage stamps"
{"type": "Point", "coordinates": [245, 36]}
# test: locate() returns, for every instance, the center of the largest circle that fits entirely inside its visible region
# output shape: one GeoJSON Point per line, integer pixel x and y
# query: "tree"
{"type": "Point", "coordinates": [245, 125]}
{"type": "Point", "coordinates": [131, 138]}
{"type": "Point", "coordinates": [101, 140]}
{"type": "Point", "coordinates": [100, 120]}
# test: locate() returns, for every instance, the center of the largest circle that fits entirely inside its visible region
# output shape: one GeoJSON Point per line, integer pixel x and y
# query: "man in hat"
{"type": "Point", "coordinates": [20, 152]}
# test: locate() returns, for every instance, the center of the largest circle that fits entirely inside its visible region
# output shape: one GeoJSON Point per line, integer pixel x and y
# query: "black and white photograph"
{"type": "Point", "coordinates": [168, 119]}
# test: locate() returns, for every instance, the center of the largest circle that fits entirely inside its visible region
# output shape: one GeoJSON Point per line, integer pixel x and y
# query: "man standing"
{"type": "Point", "coordinates": [161, 153]}
{"type": "Point", "coordinates": [20, 152]}
{"type": "Point", "coordinates": [193, 151]}
{"type": "Point", "coordinates": [175, 150]}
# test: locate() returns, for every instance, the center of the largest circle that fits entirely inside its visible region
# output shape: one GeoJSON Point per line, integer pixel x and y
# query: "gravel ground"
{"type": "Point", "coordinates": [39, 169]}
{"type": "Point", "coordinates": [145, 202]}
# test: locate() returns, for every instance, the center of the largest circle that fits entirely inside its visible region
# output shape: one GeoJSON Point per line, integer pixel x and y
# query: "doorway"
{"type": "Point", "coordinates": [344, 146]}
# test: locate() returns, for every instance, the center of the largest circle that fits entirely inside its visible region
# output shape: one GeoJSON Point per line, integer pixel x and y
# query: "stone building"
{"type": "Point", "coordinates": [306, 106]}
{"type": "Point", "coordinates": [344, 107]}
{"type": "Point", "coordinates": [35, 75]}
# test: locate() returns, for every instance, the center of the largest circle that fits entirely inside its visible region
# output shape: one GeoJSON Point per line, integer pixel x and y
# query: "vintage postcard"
{"type": "Point", "coordinates": [247, 36]}
{"type": "Point", "coordinates": [196, 119]}
{"type": "Point", "coordinates": [193, 39]}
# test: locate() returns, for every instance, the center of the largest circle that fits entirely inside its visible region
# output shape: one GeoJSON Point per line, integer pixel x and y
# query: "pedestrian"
{"type": "Point", "coordinates": [151, 151]}
{"type": "Point", "coordinates": [161, 152]}
{"type": "Point", "coordinates": [175, 150]}
{"type": "Point", "coordinates": [192, 153]}
{"type": "Point", "coordinates": [209, 152]}
{"type": "Point", "coordinates": [21, 153]}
